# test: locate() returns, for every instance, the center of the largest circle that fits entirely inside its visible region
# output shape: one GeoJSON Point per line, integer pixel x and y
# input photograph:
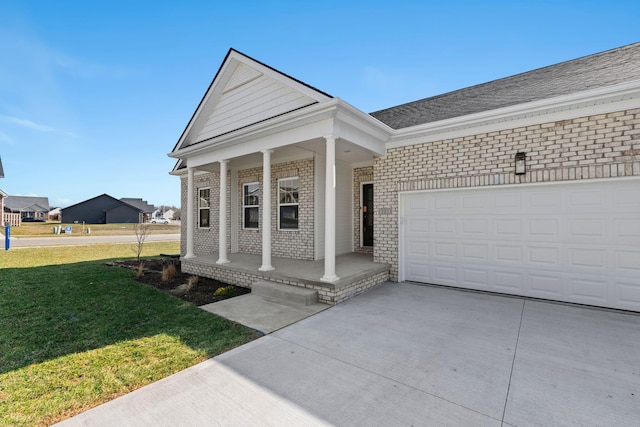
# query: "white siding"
{"type": "Point", "coordinates": [319, 205]}
{"type": "Point", "coordinates": [248, 98]}
{"type": "Point", "coordinates": [344, 212]}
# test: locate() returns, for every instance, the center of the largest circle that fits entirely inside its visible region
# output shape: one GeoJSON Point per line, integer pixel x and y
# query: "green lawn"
{"type": "Point", "coordinates": [45, 229]}
{"type": "Point", "coordinates": [75, 333]}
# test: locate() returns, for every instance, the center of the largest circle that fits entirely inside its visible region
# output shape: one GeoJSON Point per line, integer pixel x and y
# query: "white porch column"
{"type": "Point", "coordinates": [190, 215]}
{"type": "Point", "coordinates": [266, 211]}
{"type": "Point", "coordinates": [330, 213]}
{"type": "Point", "coordinates": [222, 226]}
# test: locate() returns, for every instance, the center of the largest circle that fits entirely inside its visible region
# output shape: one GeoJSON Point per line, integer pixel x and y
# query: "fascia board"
{"type": "Point", "coordinates": [301, 117]}
{"type": "Point", "coordinates": [347, 119]}
{"type": "Point", "coordinates": [264, 142]}
{"type": "Point", "coordinates": [612, 98]}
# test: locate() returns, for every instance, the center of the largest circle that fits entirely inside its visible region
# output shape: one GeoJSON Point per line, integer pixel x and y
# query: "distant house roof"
{"type": "Point", "coordinates": [26, 203]}
{"type": "Point", "coordinates": [590, 72]}
{"type": "Point", "coordinates": [1, 170]}
{"type": "Point", "coordinates": [143, 205]}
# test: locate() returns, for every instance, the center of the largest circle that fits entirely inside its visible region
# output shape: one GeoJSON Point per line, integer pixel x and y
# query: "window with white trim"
{"type": "Point", "coordinates": [251, 205]}
{"type": "Point", "coordinates": [204, 207]}
{"type": "Point", "coordinates": [288, 203]}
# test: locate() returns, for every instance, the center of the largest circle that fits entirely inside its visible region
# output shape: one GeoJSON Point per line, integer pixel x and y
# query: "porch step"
{"type": "Point", "coordinates": [285, 294]}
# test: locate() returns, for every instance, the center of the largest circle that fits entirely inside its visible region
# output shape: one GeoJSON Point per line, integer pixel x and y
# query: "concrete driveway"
{"type": "Point", "coordinates": [404, 354]}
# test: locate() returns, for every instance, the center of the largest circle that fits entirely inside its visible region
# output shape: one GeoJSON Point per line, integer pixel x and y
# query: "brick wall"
{"type": "Point", "coordinates": [326, 294]}
{"type": "Point", "coordinates": [206, 239]}
{"type": "Point", "coordinates": [249, 241]}
{"type": "Point", "coordinates": [289, 244]}
{"type": "Point", "coordinates": [360, 175]}
{"type": "Point", "coordinates": [294, 244]}
{"type": "Point", "coordinates": [600, 146]}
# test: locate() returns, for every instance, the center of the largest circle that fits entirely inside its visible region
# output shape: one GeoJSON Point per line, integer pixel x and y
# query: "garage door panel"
{"type": "Point", "coordinates": [545, 256]}
{"type": "Point", "coordinates": [508, 254]}
{"type": "Point", "coordinates": [589, 289]}
{"type": "Point", "coordinates": [590, 259]}
{"type": "Point", "coordinates": [474, 226]}
{"type": "Point", "coordinates": [588, 227]}
{"type": "Point", "coordinates": [628, 262]}
{"type": "Point", "coordinates": [508, 228]}
{"type": "Point", "coordinates": [628, 295]}
{"type": "Point", "coordinates": [574, 241]}
{"type": "Point", "coordinates": [445, 274]}
{"type": "Point", "coordinates": [627, 229]}
{"type": "Point", "coordinates": [543, 201]}
{"type": "Point", "coordinates": [474, 251]}
{"type": "Point", "coordinates": [445, 250]}
{"type": "Point", "coordinates": [546, 285]}
{"type": "Point", "coordinates": [418, 225]}
{"type": "Point", "coordinates": [444, 226]}
{"type": "Point", "coordinates": [507, 281]}
{"type": "Point", "coordinates": [419, 248]}
{"type": "Point", "coordinates": [476, 278]}
{"type": "Point", "coordinates": [543, 229]}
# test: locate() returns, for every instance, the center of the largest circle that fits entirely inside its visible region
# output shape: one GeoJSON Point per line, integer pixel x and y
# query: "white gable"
{"type": "Point", "coordinates": [250, 96]}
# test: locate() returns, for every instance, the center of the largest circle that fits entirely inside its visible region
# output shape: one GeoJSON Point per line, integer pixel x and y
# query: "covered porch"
{"type": "Point", "coordinates": [356, 271]}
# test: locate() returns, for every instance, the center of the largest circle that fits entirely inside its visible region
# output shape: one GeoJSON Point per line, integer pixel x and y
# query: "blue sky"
{"type": "Point", "coordinates": [93, 95]}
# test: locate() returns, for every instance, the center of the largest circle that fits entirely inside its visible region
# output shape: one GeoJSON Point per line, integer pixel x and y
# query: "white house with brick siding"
{"type": "Point", "coordinates": [528, 185]}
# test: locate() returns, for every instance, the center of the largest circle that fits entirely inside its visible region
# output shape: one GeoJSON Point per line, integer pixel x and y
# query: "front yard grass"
{"type": "Point", "coordinates": [75, 333]}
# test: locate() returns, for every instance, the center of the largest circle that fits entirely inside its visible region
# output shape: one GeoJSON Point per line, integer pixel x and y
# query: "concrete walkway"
{"type": "Point", "coordinates": [404, 354]}
{"type": "Point", "coordinates": [260, 314]}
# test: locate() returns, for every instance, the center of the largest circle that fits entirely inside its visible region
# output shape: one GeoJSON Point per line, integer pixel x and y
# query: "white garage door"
{"type": "Point", "coordinates": [576, 242]}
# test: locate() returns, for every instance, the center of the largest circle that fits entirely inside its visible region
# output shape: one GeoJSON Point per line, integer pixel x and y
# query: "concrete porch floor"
{"type": "Point", "coordinates": [350, 268]}
{"type": "Point", "coordinates": [268, 316]}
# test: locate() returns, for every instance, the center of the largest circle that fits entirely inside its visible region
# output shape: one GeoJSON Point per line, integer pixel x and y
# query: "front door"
{"type": "Point", "coordinates": [367, 215]}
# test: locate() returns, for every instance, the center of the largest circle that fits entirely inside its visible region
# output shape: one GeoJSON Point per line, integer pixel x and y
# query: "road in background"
{"type": "Point", "coordinates": [21, 242]}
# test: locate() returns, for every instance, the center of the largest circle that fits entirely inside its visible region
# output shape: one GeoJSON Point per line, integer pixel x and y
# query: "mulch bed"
{"type": "Point", "coordinates": [200, 293]}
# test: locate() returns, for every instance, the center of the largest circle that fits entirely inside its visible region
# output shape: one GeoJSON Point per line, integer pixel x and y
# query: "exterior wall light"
{"type": "Point", "coordinates": [521, 163]}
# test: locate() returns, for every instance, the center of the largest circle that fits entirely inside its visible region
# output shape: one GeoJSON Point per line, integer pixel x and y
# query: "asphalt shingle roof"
{"type": "Point", "coordinates": [19, 203]}
{"type": "Point", "coordinates": [139, 204]}
{"type": "Point", "coordinates": [590, 72]}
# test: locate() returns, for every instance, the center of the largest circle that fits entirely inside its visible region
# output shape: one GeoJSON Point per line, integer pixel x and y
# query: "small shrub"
{"type": "Point", "coordinates": [226, 291]}
{"type": "Point", "coordinates": [182, 289]}
{"type": "Point", "coordinates": [169, 272]}
{"type": "Point", "coordinates": [192, 281]}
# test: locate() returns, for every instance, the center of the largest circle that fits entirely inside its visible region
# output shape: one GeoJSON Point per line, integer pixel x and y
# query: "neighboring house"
{"type": "Point", "coordinates": [27, 206]}
{"type": "Point", "coordinates": [54, 214]}
{"type": "Point", "coordinates": [169, 214]}
{"type": "Point", "coordinates": [143, 205]}
{"type": "Point", "coordinates": [102, 209]}
{"type": "Point", "coordinates": [526, 185]}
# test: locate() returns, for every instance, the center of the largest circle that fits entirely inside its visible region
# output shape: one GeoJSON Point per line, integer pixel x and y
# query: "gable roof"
{"type": "Point", "coordinates": [21, 203]}
{"type": "Point", "coordinates": [115, 201]}
{"type": "Point", "coordinates": [143, 205]}
{"type": "Point", "coordinates": [246, 91]}
{"type": "Point", "coordinates": [590, 72]}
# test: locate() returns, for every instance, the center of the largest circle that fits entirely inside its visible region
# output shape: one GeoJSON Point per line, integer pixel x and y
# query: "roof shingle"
{"type": "Point", "coordinates": [590, 72]}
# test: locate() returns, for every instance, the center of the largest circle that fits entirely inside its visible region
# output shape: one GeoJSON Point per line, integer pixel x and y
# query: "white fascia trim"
{"type": "Point", "coordinates": [306, 115]}
{"type": "Point", "coordinates": [597, 101]}
{"type": "Point", "coordinates": [333, 109]}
